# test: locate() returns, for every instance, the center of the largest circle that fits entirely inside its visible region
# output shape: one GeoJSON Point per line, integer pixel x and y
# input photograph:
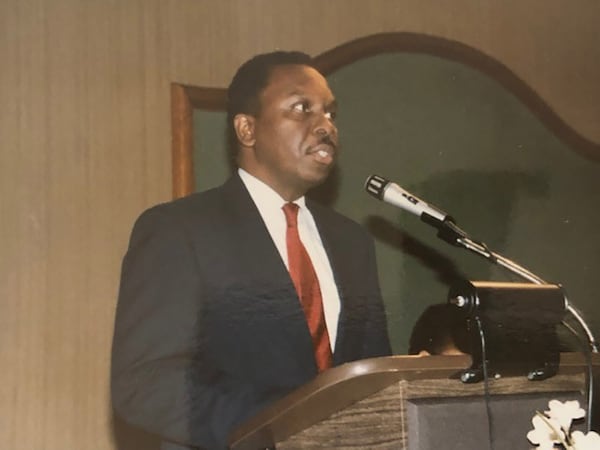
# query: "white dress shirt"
{"type": "Point", "coordinates": [269, 204]}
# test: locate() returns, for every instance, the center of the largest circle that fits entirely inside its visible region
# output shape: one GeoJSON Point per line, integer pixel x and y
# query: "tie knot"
{"type": "Point", "coordinates": [291, 214]}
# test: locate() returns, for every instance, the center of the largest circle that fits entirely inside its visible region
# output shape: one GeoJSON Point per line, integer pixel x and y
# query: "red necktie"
{"type": "Point", "coordinates": [307, 286]}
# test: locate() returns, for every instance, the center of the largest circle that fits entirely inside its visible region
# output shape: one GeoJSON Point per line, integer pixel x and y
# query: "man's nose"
{"type": "Point", "coordinates": [325, 126]}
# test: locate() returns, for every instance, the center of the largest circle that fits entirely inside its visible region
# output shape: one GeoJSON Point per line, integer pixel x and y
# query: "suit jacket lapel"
{"type": "Point", "coordinates": [252, 237]}
{"type": "Point", "coordinates": [260, 266]}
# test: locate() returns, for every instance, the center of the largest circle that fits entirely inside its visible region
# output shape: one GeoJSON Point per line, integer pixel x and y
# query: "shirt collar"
{"type": "Point", "coordinates": [263, 195]}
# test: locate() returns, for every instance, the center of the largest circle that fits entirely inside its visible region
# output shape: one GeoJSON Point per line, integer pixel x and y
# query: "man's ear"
{"type": "Point", "coordinates": [244, 129]}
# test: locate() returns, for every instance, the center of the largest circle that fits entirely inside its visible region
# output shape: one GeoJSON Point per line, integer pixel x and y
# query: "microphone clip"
{"type": "Point", "coordinates": [447, 230]}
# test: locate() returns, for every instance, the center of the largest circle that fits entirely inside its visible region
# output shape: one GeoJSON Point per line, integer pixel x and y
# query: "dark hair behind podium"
{"type": "Point", "coordinates": [441, 329]}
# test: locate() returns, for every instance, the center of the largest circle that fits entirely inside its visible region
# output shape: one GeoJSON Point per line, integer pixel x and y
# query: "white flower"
{"type": "Point", "coordinates": [546, 432]}
{"type": "Point", "coordinates": [590, 441]}
{"type": "Point", "coordinates": [565, 412]}
{"type": "Point", "coordinates": [554, 427]}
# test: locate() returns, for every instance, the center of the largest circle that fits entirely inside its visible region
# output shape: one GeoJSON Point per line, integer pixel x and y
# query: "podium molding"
{"type": "Point", "coordinates": [364, 403]}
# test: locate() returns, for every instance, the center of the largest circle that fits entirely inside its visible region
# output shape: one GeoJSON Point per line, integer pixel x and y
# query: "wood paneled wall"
{"type": "Point", "coordinates": [85, 146]}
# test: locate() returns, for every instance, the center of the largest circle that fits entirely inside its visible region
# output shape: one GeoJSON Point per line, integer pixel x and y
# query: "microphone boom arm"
{"type": "Point", "coordinates": [482, 250]}
{"type": "Point", "coordinates": [450, 231]}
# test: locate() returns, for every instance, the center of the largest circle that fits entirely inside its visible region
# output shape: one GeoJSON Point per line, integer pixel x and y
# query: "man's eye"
{"type": "Point", "coordinates": [301, 107]}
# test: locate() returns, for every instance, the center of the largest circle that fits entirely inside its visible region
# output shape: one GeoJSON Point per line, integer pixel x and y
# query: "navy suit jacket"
{"type": "Point", "coordinates": [209, 328]}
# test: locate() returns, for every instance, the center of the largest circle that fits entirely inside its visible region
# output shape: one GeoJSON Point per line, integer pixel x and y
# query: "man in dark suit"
{"type": "Point", "coordinates": [209, 326]}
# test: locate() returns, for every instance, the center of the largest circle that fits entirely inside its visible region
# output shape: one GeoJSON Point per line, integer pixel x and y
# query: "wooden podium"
{"type": "Point", "coordinates": [409, 402]}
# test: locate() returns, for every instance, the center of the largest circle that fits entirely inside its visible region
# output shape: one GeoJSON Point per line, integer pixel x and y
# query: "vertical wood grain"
{"type": "Point", "coordinates": [182, 135]}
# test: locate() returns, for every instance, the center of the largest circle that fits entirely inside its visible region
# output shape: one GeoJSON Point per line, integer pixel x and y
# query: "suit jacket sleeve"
{"type": "Point", "coordinates": [163, 380]}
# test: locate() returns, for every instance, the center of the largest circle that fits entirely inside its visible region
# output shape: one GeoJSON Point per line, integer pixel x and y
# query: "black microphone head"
{"type": "Point", "coordinates": [375, 185]}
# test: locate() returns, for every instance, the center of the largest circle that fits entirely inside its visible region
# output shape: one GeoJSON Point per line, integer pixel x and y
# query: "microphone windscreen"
{"type": "Point", "coordinates": [375, 185]}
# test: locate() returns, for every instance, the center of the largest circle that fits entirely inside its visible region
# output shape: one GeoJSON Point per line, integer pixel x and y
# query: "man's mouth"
{"type": "Point", "coordinates": [323, 153]}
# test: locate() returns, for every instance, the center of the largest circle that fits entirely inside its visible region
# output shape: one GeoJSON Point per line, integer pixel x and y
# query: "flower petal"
{"type": "Point", "coordinates": [590, 441]}
{"type": "Point", "coordinates": [545, 430]}
{"type": "Point", "coordinates": [565, 412]}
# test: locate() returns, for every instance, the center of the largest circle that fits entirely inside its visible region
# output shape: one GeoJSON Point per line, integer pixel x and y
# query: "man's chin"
{"type": "Point", "coordinates": [318, 178]}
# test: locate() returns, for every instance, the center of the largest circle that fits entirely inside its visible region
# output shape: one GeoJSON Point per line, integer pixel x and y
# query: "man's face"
{"type": "Point", "coordinates": [294, 145]}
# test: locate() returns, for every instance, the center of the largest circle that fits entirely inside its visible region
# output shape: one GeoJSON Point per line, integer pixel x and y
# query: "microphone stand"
{"type": "Point", "coordinates": [451, 233]}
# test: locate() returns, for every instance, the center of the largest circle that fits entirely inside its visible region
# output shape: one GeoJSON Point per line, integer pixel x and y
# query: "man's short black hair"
{"type": "Point", "coordinates": [243, 94]}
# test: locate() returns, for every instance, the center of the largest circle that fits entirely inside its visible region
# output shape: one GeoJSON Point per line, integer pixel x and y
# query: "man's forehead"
{"type": "Point", "coordinates": [295, 79]}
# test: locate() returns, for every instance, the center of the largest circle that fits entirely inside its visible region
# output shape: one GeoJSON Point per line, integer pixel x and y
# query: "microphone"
{"type": "Point", "coordinates": [393, 194]}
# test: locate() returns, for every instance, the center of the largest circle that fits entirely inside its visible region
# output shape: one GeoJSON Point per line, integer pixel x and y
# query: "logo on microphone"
{"type": "Point", "coordinates": [410, 198]}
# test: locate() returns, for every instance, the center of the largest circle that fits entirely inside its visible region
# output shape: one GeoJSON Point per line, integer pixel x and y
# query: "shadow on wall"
{"type": "Point", "coordinates": [485, 204]}
{"type": "Point", "coordinates": [486, 200]}
{"type": "Point", "coordinates": [444, 268]}
{"type": "Point", "coordinates": [128, 437]}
